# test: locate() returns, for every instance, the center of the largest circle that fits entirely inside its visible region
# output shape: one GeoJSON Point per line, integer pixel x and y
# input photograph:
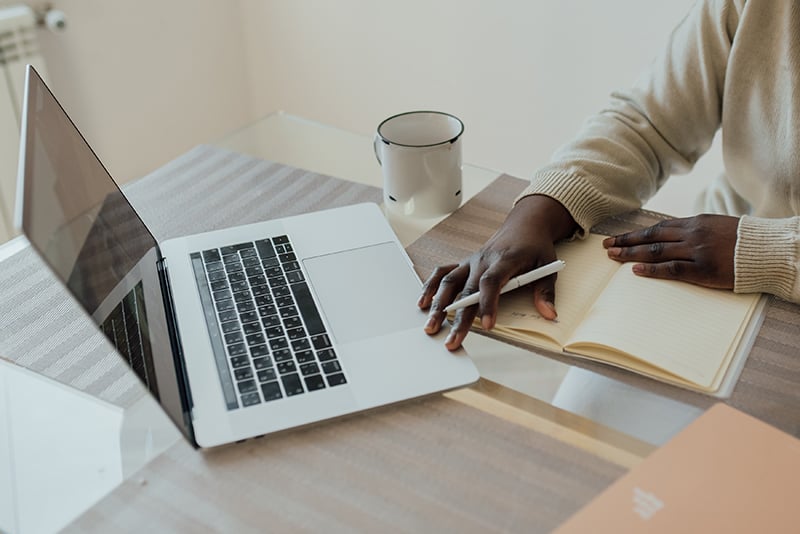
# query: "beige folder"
{"type": "Point", "coordinates": [725, 472]}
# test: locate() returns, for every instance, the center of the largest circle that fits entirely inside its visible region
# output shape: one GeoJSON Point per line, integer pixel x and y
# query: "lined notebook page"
{"type": "Point", "coordinates": [585, 275]}
{"type": "Point", "coordinates": [686, 330]}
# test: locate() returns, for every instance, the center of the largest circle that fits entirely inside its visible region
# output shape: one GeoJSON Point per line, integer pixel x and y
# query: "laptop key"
{"type": "Point", "coordinates": [278, 343]}
{"type": "Point", "coordinates": [321, 341]}
{"type": "Point", "coordinates": [326, 354]}
{"type": "Point", "coordinates": [260, 290]}
{"type": "Point", "coordinates": [247, 386]}
{"type": "Point", "coordinates": [336, 380]}
{"type": "Point", "coordinates": [233, 337]}
{"type": "Point", "coordinates": [295, 276]}
{"type": "Point", "coordinates": [223, 294]}
{"type": "Point", "coordinates": [227, 315]}
{"type": "Point", "coordinates": [266, 375]}
{"type": "Point", "coordinates": [309, 369]}
{"type": "Point", "coordinates": [271, 391]}
{"type": "Point", "coordinates": [243, 373]}
{"type": "Point", "coordinates": [281, 291]}
{"type": "Point", "coordinates": [256, 339]}
{"type": "Point", "coordinates": [300, 344]}
{"type": "Point", "coordinates": [240, 361]}
{"type": "Point", "coordinates": [251, 399]}
{"type": "Point", "coordinates": [217, 275]}
{"type": "Point", "coordinates": [211, 255]}
{"type": "Point", "coordinates": [297, 334]}
{"type": "Point", "coordinates": [265, 248]}
{"type": "Point", "coordinates": [292, 384]}
{"type": "Point", "coordinates": [282, 355]}
{"type": "Point", "coordinates": [259, 350]}
{"type": "Point", "coordinates": [314, 382]}
{"type": "Point", "coordinates": [248, 317]}
{"type": "Point", "coordinates": [232, 326]}
{"type": "Point", "coordinates": [237, 349]}
{"type": "Point", "coordinates": [308, 309]}
{"type": "Point", "coordinates": [304, 356]}
{"type": "Point", "coordinates": [251, 328]}
{"type": "Point", "coordinates": [219, 285]}
{"type": "Point", "coordinates": [242, 296]}
{"type": "Point", "coordinates": [262, 363]}
{"type": "Point", "coordinates": [286, 367]}
{"type": "Point", "coordinates": [331, 366]}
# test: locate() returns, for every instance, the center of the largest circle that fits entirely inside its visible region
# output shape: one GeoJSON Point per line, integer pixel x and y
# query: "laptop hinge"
{"type": "Point", "coordinates": [177, 347]}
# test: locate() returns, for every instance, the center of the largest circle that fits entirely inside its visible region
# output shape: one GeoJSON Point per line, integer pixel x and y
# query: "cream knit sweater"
{"type": "Point", "coordinates": [730, 64]}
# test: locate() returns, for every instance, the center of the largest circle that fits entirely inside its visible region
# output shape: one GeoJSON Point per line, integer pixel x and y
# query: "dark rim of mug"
{"type": "Point", "coordinates": [451, 140]}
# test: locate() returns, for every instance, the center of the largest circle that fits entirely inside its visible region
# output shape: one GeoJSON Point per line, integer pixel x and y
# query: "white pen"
{"type": "Point", "coordinates": [514, 283]}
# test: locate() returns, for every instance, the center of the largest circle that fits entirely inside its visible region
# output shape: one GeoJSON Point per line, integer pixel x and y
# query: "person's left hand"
{"type": "Point", "coordinates": [698, 250]}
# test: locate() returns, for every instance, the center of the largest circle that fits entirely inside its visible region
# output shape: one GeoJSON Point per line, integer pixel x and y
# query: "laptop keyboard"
{"type": "Point", "coordinates": [125, 327]}
{"type": "Point", "coordinates": [268, 337]}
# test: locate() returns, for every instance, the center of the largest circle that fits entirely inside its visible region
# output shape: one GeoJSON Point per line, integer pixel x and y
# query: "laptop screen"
{"type": "Point", "coordinates": [76, 217]}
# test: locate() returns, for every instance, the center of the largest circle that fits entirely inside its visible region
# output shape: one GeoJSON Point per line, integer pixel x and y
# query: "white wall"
{"type": "Point", "coordinates": [522, 74]}
{"type": "Point", "coordinates": [147, 79]}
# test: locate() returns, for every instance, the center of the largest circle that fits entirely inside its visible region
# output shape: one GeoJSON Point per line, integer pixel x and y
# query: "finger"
{"type": "Point", "coordinates": [462, 322]}
{"type": "Point", "coordinates": [494, 278]}
{"type": "Point", "coordinates": [544, 297]}
{"type": "Point", "coordinates": [659, 251]}
{"type": "Point", "coordinates": [431, 285]}
{"type": "Point", "coordinates": [666, 231]}
{"type": "Point", "coordinates": [448, 287]}
{"type": "Point", "coordinates": [692, 272]}
{"type": "Point", "coordinates": [668, 270]}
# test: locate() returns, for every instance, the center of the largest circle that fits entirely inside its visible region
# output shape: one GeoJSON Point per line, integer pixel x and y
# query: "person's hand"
{"type": "Point", "coordinates": [698, 250]}
{"type": "Point", "coordinates": [523, 242]}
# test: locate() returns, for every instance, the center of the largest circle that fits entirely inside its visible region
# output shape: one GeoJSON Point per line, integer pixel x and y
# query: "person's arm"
{"type": "Point", "coordinates": [622, 155]}
{"type": "Point", "coordinates": [619, 159]}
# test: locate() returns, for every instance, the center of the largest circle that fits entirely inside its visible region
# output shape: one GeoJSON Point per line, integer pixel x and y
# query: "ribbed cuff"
{"type": "Point", "coordinates": [583, 201]}
{"type": "Point", "coordinates": [766, 256]}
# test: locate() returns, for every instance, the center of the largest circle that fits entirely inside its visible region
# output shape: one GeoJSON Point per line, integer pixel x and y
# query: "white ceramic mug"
{"type": "Point", "coordinates": [420, 155]}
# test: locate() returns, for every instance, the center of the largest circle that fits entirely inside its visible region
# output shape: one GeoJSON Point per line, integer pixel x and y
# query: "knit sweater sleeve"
{"type": "Point", "coordinates": [767, 257]}
{"type": "Point", "coordinates": [622, 155]}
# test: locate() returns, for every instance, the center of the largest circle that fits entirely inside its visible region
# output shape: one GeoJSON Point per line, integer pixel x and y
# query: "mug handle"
{"type": "Point", "coordinates": [375, 143]}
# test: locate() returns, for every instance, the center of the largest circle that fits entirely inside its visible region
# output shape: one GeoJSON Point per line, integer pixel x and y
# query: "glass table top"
{"type": "Point", "coordinates": [69, 457]}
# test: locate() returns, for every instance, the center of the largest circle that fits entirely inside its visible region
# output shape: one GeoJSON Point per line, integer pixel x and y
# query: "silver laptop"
{"type": "Point", "coordinates": [238, 332]}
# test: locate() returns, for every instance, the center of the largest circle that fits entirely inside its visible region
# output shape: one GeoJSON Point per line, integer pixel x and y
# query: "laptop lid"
{"type": "Point", "coordinates": [79, 221]}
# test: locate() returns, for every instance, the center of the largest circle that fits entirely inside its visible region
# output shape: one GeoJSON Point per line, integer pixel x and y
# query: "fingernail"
{"type": "Point", "coordinates": [430, 326]}
{"type": "Point", "coordinates": [638, 268]}
{"type": "Point", "coordinates": [614, 251]}
{"type": "Point", "coordinates": [552, 308]}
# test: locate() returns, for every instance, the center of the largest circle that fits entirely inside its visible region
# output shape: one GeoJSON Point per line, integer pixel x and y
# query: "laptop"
{"type": "Point", "coordinates": [239, 332]}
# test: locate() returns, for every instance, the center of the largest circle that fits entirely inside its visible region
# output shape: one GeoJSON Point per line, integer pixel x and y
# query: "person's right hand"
{"type": "Point", "coordinates": [524, 241]}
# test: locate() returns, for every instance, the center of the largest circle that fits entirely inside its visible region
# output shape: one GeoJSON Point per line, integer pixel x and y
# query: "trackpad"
{"type": "Point", "coordinates": [366, 292]}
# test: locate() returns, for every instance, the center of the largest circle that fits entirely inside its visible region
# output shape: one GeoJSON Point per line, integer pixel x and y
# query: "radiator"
{"type": "Point", "coordinates": [18, 46]}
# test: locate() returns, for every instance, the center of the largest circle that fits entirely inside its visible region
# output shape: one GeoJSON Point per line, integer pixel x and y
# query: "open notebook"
{"type": "Point", "coordinates": [685, 335]}
{"type": "Point", "coordinates": [725, 472]}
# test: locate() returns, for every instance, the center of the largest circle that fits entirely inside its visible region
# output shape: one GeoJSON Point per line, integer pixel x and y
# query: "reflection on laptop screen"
{"type": "Point", "coordinates": [85, 229]}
